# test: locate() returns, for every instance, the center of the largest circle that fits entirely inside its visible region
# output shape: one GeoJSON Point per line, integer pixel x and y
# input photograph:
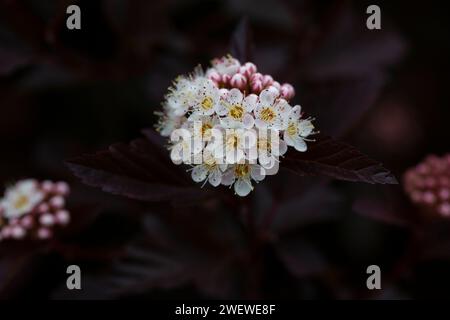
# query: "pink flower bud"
{"type": "Point", "coordinates": [47, 186]}
{"type": "Point", "coordinates": [287, 91]}
{"type": "Point", "coordinates": [257, 86]}
{"type": "Point", "coordinates": [27, 222]}
{"type": "Point", "coordinates": [226, 78]}
{"type": "Point", "coordinates": [18, 232]}
{"type": "Point", "coordinates": [213, 75]}
{"type": "Point", "coordinates": [256, 77]}
{"type": "Point", "coordinates": [43, 207]}
{"type": "Point", "coordinates": [251, 68]}
{"type": "Point", "coordinates": [267, 80]}
{"type": "Point", "coordinates": [6, 232]}
{"type": "Point", "coordinates": [238, 81]}
{"type": "Point", "coordinates": [57, 202]}
{"type": "Point", "coordinates": [44, 233]}
{"type": "Point", "coordinates": [444, 209]}
{"type": "Point", "coordinates": [63, 217]}
{"type": "Point", "coordinates": [47, 219]}
{"type": "Point", "coordinates": [62, 188]}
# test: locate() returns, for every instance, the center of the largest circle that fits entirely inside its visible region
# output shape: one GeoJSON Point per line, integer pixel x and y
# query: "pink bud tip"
{"type": "Point", "coordinates": [226, 78]}
{"type": "Point", "coordinates": [238, 81]}
{"type": "Point", "coordinates": [444, 194]}
{"type": "Point", "coordinates": [62, 188]}
{"type": "Point", "coordinates": [214, 76]}
{"type": "Point", "coordinates": [57, 202]}
{"type": "Point", "coordinates": [257, 86]}
{"type": "Point", "coordinates": [44, 233]}
{"type": "Point", "coordinates": [287, 91]}
{"type": "Point", "coordinates": [6, 232]}
{"type": "Point", "coordinates": [18, 232]}
{"type": "Point", "coordinates": [256, 77]}
{"type": "Point", "coordinates": [47, 219]}
{"type": "Point", "coordinates": [429, 197]}
{"type": "Point", "coordinates": [43, 208]}
{"type": "Point", "coordinates": [267, 80]}
{"type": "Point", "coordinates": [444, 209]}
{"type": "Point", "coordinates": [47, 186]}
{"type": "Point", "coordinates": [251, 68]}
{"type": "Point", "coordinates": [26, 222]}
{"type": "Point", "coordinates": [63, 217]}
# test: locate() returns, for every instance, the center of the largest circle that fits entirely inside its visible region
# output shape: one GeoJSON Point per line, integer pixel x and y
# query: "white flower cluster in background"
{"type": "Point", "coordinates": [32, 209]}
{"type": "Point", "coordinates": [232, 124]}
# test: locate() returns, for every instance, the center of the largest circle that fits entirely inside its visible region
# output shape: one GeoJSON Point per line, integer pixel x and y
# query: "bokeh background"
{"type": "Point", "coordinates": [65, 93]}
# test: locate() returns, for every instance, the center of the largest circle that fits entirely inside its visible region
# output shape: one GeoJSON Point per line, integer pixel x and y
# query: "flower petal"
{"type": "Point", "coordinates": [242, 187]}
{"type": "Point", "coordinates": [267, 97]}
{"type": "Point", "coordinates": [257, 172]}
{"type": "Point", "coordinates": [250, 102]}
{"type": "Point", "coordinates": [199, 173]}
{"type": "Point", "coordinates": [235, 96]}
{"type": "Point", "coordinates": [215, 177]}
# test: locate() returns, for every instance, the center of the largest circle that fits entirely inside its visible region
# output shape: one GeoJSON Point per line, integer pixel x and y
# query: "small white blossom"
{"type": "Point", "coordinates": [240, 176]}
{"type": "Point", "coordinates": [271, 112]}
{"type": "Point", "coordinates": [297, 130]}
{"type": "Point", "coordinates": [207, 97]}
{"type": "Point", "coordinates": [235, 110]}
{"type": "Point", "coordinates": [21, 199]}
{"type": "Point", "coordinates": [210, 170]}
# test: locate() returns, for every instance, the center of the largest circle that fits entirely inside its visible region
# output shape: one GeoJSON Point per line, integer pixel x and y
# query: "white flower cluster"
{"type": "Point", "coordinates": [33, 209]}
{"type": "Point", "coordinates": [237, 121]}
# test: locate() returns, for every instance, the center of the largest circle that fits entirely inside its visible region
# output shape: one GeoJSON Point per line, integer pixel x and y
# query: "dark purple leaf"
{"type": "Point", "coordinates": [170, 255]}
{"type": "Point", "coordinates": [139, 170]}
{"type": "Point", "coordinates": [241, 42]}
{"type": "Point", "coordinates": [300, 258]}
{"type": "Point", "coordinates": [331, 158]}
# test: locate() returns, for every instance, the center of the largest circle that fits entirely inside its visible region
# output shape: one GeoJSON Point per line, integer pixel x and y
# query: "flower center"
{"type": "Point", "coordinates": [233, 141]}
{"type": "Point", "coordinates": [21, 202]}
{"type": "Point", "coordinates": [292, 129]}
{"type": "Point", "coordinates": [267, 114]}
{"type": "Point", "coordinates": [241, 170]}
{"type": "Point", "coordinates": [207, 103]}
{"type": "Point", "coordinates": [236, 111]}
{"type": "Point", "coordinates": [206, 127]}
{"type": "Point", "coordinates": [264, 144]}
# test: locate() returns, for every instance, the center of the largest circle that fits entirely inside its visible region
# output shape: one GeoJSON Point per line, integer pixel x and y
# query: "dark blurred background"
{"type": "Point", "coordinates": [68, 92]}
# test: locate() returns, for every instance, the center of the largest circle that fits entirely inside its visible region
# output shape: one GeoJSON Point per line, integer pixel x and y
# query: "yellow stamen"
{"type": "Point", "coordinates": [236, 111]}
{"type": "Point", "coordinates": [241, 170]}
{"type": "Point", "coordinates": [207, 103]}
{"type": "Point", "coordinates": [267, 114]}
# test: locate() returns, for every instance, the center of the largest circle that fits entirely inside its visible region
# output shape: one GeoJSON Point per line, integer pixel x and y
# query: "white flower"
{"type": "Point", "coordinates": [21, 199]}
{"type": "Point", "coordinates": [270, 112]}
{"type": "Point", "coordinates": [270, 148]}
{"type": "Point", "coordinates": [185, 146]}
{"type": "Point", "coordinates": [168, 121]}
{"type": "Point", "coordinates": [241, 175]}
{"type": "Point", "coordinates": [226, 65]}
{"type": "Point", "coordinates": [297, 130]}
{"type": "Point", "coordinates": [210, 170]}
{"type": "Point", "coordinates": [235, 110]}
{"type": "Point", "coordinates": [235, 145]}
{"type": "Point", "coordinates": [207, 96]}
{"type": "Point", "coordinates": [183, 95]}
